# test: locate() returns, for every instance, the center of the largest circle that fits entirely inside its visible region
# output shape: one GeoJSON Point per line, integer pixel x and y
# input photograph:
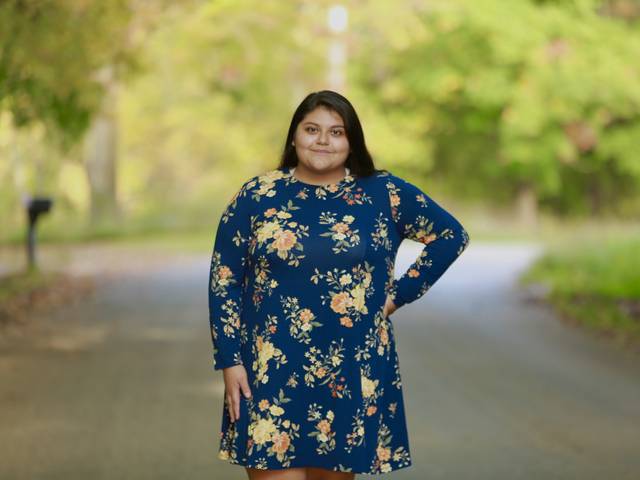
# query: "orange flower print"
{"type": "Point", "coordinates": [281, 235]}
{"type": "Point", "coordinates": [339, 231]}
{"type": "Point", "coordinates": [284, 240]}
{"type": "Point", "coordinates": [270, 431]}
{"type": "Point", "coordinates": [281, 442]}
{"type": "Point", "coordinates": [350, 289]}
{"type": "Point", "coordinates": [346, 321]}
{"type": "Point", "coordinates": [301, 321]}
{"type": "Point", "coordinates": [323, 430]}
{"type": "Point", "coordinates": [341, 302]}
{"type": "Point", "coordinates": [326, 368]}
{"type": "Point", "coordinates": [384, 454]}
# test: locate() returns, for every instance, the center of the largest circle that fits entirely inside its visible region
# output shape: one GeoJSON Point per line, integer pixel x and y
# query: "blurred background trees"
{"type": "Point", "coordinates": [148, 114]}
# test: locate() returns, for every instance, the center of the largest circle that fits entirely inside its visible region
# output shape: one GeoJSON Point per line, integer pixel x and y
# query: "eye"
{"type": "Point", "coordinates": [339, 132]}
{"type": "Point", "coordinates": [310, 128]}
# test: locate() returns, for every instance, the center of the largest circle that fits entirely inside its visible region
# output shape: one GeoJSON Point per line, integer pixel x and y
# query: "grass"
{"type": "Point", "coordinates": [16, 283]}
{"type": "Point", "coordinates": [595, 283]}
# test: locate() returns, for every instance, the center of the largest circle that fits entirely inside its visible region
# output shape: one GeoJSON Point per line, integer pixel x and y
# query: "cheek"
{"type": "Point", "coordinates": [342, 144]}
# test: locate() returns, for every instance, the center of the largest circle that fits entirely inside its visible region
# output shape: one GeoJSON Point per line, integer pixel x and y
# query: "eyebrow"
{"type": "Point", "coordinates": [313, 123]}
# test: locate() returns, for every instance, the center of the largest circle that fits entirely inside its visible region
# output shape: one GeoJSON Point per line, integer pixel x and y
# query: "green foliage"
{"type": "Point", "coordinates": [50, 53]}
{"type": "Point", "coordinates": [542, 93]}
{"type": "Point", "coordinates": [481, 97]}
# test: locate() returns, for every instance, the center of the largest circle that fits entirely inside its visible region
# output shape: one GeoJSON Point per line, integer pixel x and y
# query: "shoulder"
{"type": "Point", "coordinates": [396, 184]}
{"type": "Point", "coordinates": [258, 186]}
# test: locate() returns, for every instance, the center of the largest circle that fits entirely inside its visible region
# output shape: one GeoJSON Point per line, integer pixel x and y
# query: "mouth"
{"type": "Point", "coordinates": [321, 151]}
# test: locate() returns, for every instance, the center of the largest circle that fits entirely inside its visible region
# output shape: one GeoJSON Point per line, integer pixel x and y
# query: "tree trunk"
{"type": "Point", "coordinates": [527, 206]}
{"type": "Point", "coordinates": [101, 155]}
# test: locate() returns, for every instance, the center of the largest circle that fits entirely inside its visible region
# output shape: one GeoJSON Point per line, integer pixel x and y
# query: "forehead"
{"type": "Point", "coordinates": [323, 116]}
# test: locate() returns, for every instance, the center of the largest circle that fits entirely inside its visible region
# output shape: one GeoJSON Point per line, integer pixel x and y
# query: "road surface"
{"type": "Point", "coordinates": [119, 385]}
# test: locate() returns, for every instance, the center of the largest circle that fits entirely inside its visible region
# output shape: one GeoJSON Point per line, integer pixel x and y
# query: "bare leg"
{"type": "Point", "coordinates": [314, 473]}
{"type": "Point", "coordinates": [285, 474]}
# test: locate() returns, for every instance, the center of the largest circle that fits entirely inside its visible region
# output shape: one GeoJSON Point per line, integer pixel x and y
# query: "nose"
{"type": "Point", "coordinates": [324, 138]}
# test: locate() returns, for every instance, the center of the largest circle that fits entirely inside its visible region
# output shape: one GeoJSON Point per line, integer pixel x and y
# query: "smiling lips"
{"type": "Point", "coordinates": [321, 151]}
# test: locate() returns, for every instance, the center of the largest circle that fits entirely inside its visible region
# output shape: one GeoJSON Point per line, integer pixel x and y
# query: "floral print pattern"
{"type": "Point", "coordinates": [340, 232]}
{"type": "Point", "coordinates": [298, 281]}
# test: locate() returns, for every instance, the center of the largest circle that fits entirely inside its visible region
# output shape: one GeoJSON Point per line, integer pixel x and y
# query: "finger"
{"type": "Point", "coordinates": [236, 405]}
{"type": "Point", "coordinates": [245, 389]}
{"type": "Point", "coordinates": [230, 409]}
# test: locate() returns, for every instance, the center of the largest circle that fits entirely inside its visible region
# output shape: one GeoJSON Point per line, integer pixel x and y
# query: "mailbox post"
{"type": "Point", "coordinates": [36, 206]}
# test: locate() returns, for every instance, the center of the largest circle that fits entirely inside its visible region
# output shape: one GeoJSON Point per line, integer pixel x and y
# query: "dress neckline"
{"type": "Point", "coordinates": [348, 178]}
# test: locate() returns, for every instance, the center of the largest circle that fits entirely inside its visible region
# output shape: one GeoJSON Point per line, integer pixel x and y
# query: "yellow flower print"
{"type": "Point", "coordinates": [276, 410]}
{"type": "Point", "coordinates": [263, 430]}
{"type": "Point", "coordinates": [274, 428]}
{"type": "Point", "coordinates": [340, 229]}
{"type": "Point", "coordinates": [267, 231]}
{"type": "Point", "coordinates": [358, 302]}
{"type": "Point", "coordinates": [279, 235]}
{"type": "Point", "coordinates": [368, 386]}
{"type": "Point", "coordinates": [264, 351]}
{"type": "Point", "coordinates": [377, 339]}
{"type": "Point", "coordinates": [224, 273]}
{"type": "Point", "coordinates": [351, 299]}
{"type": "Point", "coordinates": [380, 234]}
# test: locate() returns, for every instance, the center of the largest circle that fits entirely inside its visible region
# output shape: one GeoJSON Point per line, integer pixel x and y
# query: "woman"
{"type": "Point", "coordinates": [301, 288]}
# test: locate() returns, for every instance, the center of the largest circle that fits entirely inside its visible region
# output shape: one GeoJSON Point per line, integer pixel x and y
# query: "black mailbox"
{"type": "Point", "coordinates": [36, 206]}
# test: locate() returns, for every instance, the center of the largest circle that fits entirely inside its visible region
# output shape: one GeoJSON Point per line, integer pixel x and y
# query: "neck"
{"type": "Point", "coordinates": [310, 177]}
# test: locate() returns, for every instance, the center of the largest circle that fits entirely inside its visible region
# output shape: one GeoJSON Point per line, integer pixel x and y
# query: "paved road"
{"type": "Point", "coordinates": [119, 385]}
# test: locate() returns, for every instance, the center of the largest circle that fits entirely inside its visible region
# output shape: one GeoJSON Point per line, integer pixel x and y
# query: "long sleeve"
{"type": "Point", "coordinates": [419, 218]}
{"type": "Point", "coordinates": [229, 263]}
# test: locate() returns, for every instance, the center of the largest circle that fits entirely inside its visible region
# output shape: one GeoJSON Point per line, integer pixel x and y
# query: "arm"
{"type": "Point", "coordinates": [419, 218]}
{"type": "Point", "coordinates": [226, 279]}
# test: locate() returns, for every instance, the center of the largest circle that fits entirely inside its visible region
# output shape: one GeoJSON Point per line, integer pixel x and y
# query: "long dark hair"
{"type": "Point", "coordinates": [359, 161]}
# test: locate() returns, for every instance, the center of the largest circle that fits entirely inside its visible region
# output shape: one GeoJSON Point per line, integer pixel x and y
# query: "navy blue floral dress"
{"type": "Point", "coordinates": [298, 281]}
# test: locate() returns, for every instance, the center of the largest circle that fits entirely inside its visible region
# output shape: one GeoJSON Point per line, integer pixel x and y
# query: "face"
{"type": "Point", "coordinates": [321, 141]}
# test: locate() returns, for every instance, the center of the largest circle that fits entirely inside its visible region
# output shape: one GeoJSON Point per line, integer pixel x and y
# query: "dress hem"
{"type": "Point", "coordinates": [334, 469]}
